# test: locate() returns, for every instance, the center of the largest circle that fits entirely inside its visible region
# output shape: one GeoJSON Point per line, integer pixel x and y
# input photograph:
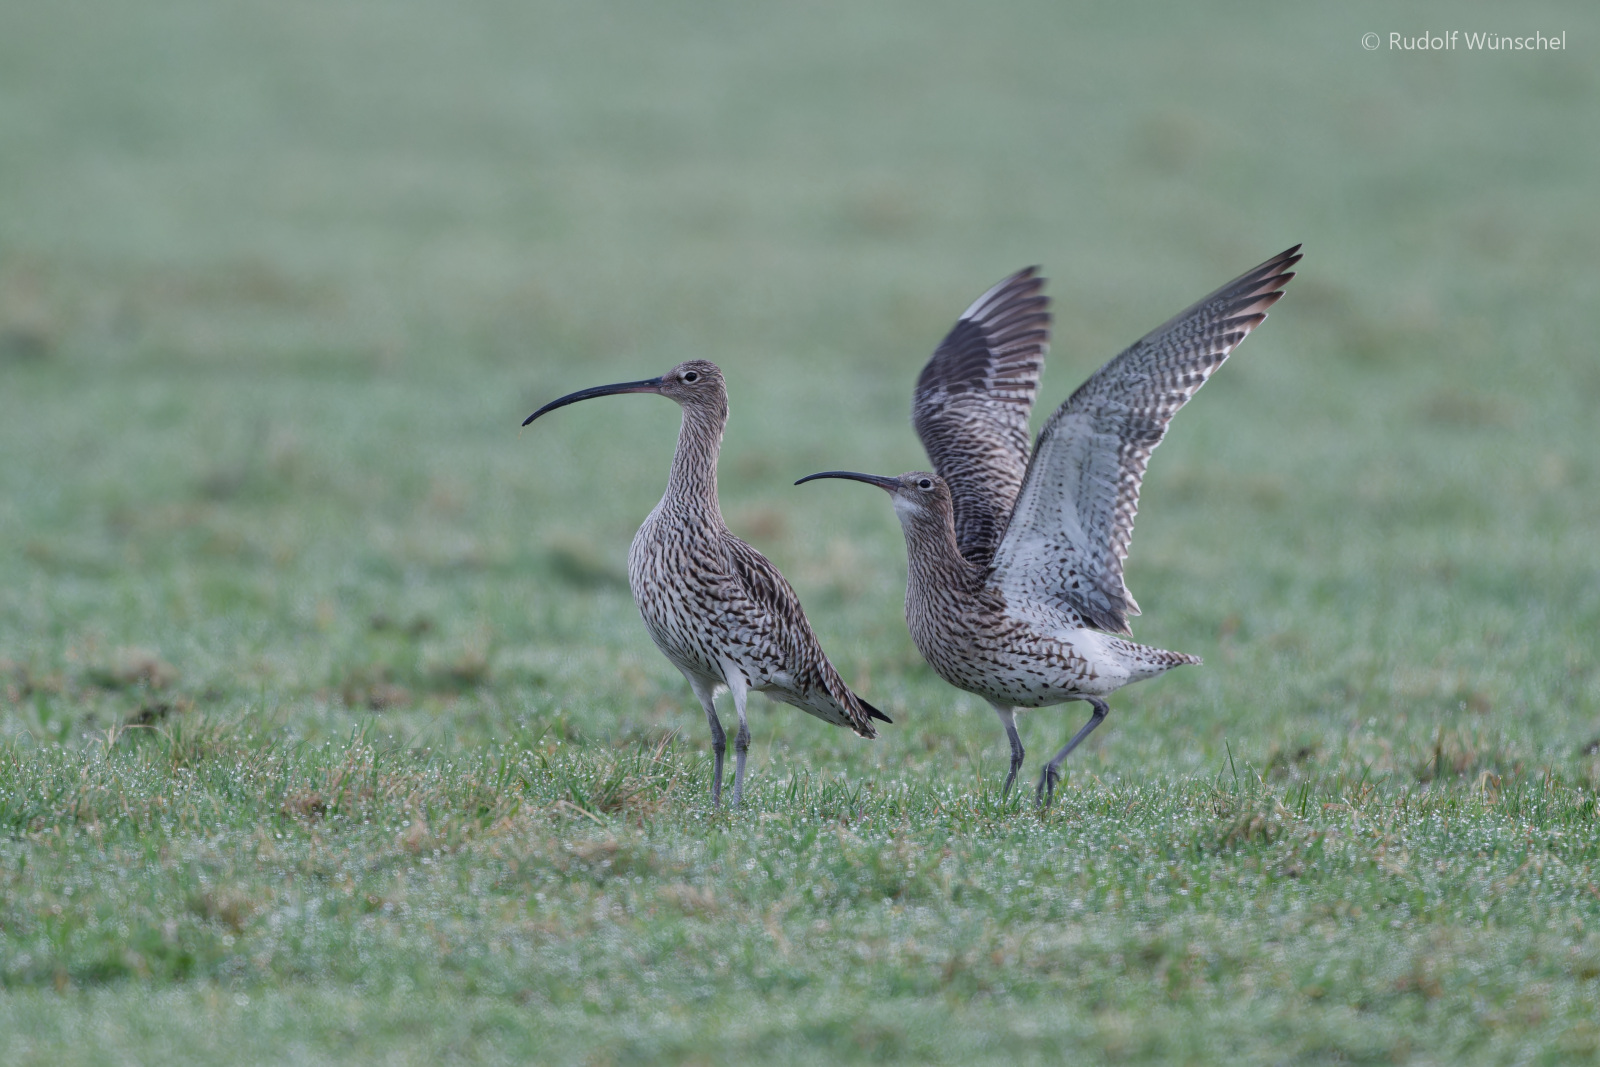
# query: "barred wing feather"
{"type": "Point", "coordinates": [972, 404]}
{"type": "Point", "coordinates": [1069, 535]}
{"type": "Point", "coordinates": [779, 615]}
{"type": "Point", "coordinates": [780, 624]}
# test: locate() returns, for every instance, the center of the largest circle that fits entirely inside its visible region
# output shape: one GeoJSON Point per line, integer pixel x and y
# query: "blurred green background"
{"type": "Point", "coordinates": [278, 281]}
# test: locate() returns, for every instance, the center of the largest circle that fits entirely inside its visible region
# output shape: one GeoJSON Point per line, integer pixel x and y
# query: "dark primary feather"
{"type": "Point", "coordinates": [972, 404]}
{"type": "Point", "coordinates": [1069, 535]}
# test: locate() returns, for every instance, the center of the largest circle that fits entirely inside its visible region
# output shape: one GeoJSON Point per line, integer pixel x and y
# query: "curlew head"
{"type": "Point", "coordinates": [694, 383]}
{"type": "Point", "coordinates": [921, 498]}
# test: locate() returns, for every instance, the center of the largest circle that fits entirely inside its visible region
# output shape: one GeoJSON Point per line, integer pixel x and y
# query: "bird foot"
{"type": "Point", "coordinates": [1046, 792]}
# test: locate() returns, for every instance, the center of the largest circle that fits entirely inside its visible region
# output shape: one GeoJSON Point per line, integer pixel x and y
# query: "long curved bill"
{"type": "Point", "coordinates": [649, 385]}
{"type": "Point", "coordinates": [886, 484]}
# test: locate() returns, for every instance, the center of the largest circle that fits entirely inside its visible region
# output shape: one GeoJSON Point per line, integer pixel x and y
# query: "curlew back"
{"type": "Point", "coordinates": [972, 404]}
{"type": "Point", "coordinates": [1069, 535]}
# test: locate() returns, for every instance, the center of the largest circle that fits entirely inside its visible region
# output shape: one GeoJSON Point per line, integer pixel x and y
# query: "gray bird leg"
{"type": "Point", "coordinates": [1052, 770]}
{"type": "Point", "coordinates": [1008, 719]}
{"type": "Point", "coordinates": [719, 740]}
{"type": "Point", "coordinates": [741, 741]}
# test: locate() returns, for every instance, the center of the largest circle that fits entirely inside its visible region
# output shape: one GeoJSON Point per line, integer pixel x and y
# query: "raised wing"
{"type": "Point", "coordinates": [972, 405]}
{"type": "Point", "coordinates": [1069, 535]}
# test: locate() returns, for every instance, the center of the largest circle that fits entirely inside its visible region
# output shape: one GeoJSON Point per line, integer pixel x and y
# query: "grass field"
{"type": "Point", "coordinates": [329, 731]}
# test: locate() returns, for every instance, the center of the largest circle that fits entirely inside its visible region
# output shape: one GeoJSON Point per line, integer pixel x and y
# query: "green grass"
{"type": "Point", "coordinates": [329, 732]}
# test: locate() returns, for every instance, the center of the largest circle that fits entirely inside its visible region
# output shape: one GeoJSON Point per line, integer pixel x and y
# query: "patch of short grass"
{"type": "Point", "coordinates": [571, 898]}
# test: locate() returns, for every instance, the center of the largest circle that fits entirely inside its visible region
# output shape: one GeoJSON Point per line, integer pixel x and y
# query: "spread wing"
{"type": "Point", "coordinates": [972, 405]}
{"type": "Point", "coordinates": [1069, 535]}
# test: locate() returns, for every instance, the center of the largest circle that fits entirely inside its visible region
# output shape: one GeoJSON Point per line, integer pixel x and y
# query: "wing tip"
{"type": "Point", "coordinates": [874, 713]}
{"type": "Point", "coordinates": [1274, 273]}
{"type": "Point", "coordinates": [1285, 259]}
{"type": "Point", "coordinates": [1024, 284]}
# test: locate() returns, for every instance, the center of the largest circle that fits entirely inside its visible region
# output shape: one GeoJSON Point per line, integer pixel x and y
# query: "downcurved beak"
{"type": "Point", "coordinates": [886, 484]}
{"type": "Point", "coordinates": [649, 385]}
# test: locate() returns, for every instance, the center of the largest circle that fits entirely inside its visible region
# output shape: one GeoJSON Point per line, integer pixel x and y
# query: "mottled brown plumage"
{"type": "Point", "coordinates": [1015, 590]}
{"type": "Point", "coordinates": [972, 404]}
{"type": "Point", "coordinates": [717, 608]}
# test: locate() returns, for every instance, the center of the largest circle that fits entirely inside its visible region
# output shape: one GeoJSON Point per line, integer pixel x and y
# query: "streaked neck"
{"type": "Point", "coordinates": [933, 559]}
{"type": "Point", "coordinates": [693, 481]}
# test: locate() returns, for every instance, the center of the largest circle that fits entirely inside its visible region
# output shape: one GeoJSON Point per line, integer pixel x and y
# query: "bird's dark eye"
{"type": "Point", "coordinates": [691, 376]}
{"type": "Point", "coordinates": [925, 484]}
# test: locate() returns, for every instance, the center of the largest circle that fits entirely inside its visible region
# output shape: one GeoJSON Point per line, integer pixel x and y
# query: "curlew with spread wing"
{"type": "Point", "coordinates": [1015, 591]}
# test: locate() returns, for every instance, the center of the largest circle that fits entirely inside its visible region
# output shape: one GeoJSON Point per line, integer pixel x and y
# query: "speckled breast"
{"type": "Point", "coordinates": [677, 593]}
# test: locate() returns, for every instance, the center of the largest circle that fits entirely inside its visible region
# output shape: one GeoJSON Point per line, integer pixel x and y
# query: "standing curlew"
{"type": "Point", "coordinates": [715, 607]}
{"type": "Point", "coordinates": [1015, 589]}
